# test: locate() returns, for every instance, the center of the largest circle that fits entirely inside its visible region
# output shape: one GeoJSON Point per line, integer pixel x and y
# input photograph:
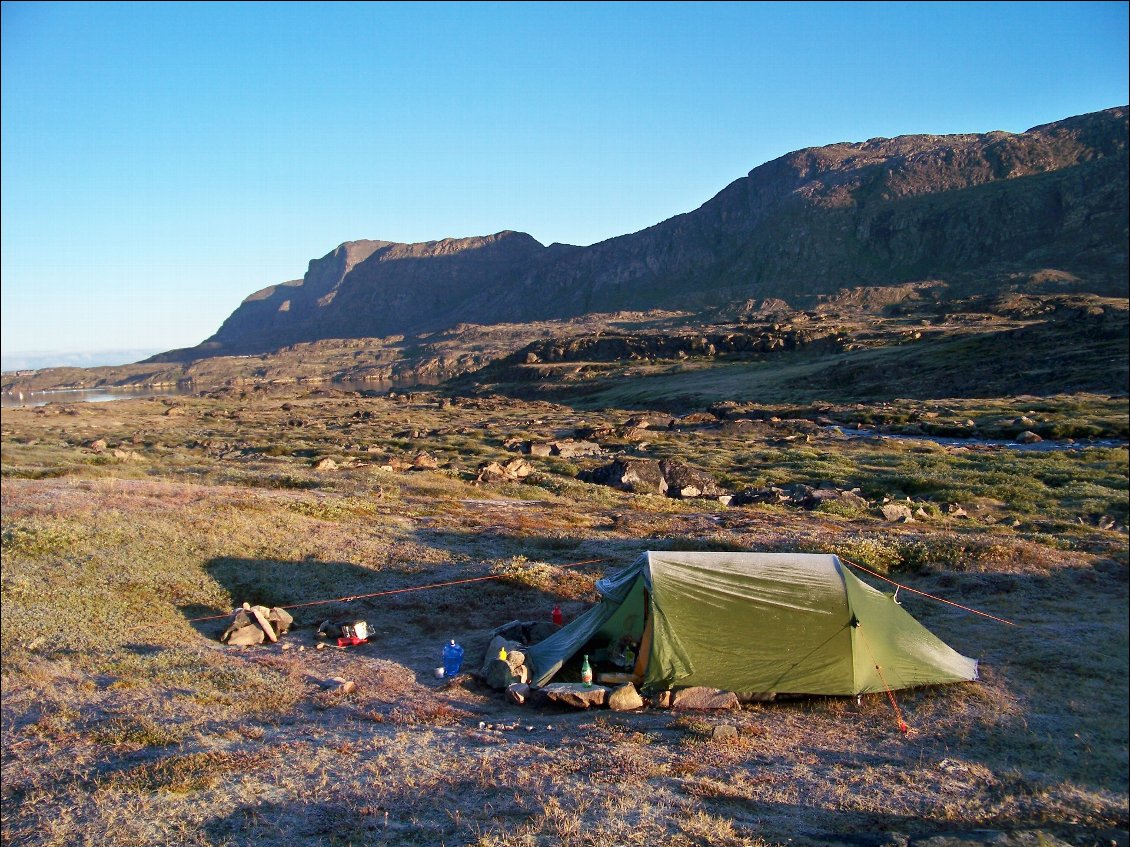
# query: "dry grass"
{"type": "Point", "coordinates": [125, 722]}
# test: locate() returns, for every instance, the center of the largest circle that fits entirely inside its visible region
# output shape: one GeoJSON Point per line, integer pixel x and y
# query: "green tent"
{"type": "Point", "coordinates": [791, 623]}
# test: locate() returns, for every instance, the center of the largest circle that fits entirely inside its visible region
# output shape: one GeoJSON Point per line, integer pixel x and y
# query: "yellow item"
{"type": "Point", "coordinates": [502, 653]}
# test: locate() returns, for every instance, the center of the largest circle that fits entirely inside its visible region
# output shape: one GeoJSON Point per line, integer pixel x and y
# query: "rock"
{"type": "Point", "coordinates": [280, 619]}
{"type": "Point", "coordinates": [245, 636]}
{"type": "Point", "coordinates": [725, 733]}
{"type": "Point", "coordinates": [639, 476]}
{"type": "Point", "coordinates": [326, 464]}
{"type": "Point", "coordinates": [576, 694]}
{"type": "Point", "coordinates": [518, 692]}
{"type": "Point", "coordinates": [569, 449]}
{"type": "Point", "coordinates": [625, 698]}
{"type": "Point", "coordinates": [897, 512]}
{"type": "Point", "coordinates": [696, 419]}
{"type": "Point", "coordinates": [769, 494]}
{"type": "Point", "coordinates": [704, 698]}
{"type": "Point", "coordinates": [955, 511]}
{"type": "Point", "coordinates": [261, 614]}
{"type": "Point", "coordinates": [497, 675]}
{"type": "Point", "coordinates": [756, 696]}
{"type": "Point", "coordinates": [98, 446]}
{"type": "Point", "coordinates": [511, 471]}
{"type": "Point", "coordinates": [685, 481]}
{"type": "Point", "coordinates": [1028, 437]}
{"type": "Point", "coordinates": [514, 654]}
{"type": "Point", "coordinates": [991, 838]}
{"type": "Point", "coordinates": [741, 426]}
{"type": "Point", "coordinates": [649, 422]}
{"type": "Point", "coordinates": [636, 434]}
{"type": "Point", "coordinates": [540, 450]}
{"type": "Point", "coordinates": [815, 498]}
{"type": "Point", "coordinates": [518, 468]}
{"type": "Point", "coordinates": [424, 461]}
{"type": "Point", "coordinates": [663, 700]}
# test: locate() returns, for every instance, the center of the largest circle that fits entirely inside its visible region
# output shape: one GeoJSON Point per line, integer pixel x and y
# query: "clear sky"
{"type": "Point", "coordinates": [161, 161]}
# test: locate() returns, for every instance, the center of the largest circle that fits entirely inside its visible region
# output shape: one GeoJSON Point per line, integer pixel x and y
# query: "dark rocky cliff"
{"type": "Point", "coordinates": [980, 212]}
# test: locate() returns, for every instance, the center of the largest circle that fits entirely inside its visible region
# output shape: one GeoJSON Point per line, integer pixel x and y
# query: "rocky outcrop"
{"type": "Point", "coordinates": [978, 211]}
{"type": "Point", "coordinates": [647, 476]}
{"type": "Point", "coordinates": [684, 481]}
{"type": "Point", "coordinates": [639, 476]}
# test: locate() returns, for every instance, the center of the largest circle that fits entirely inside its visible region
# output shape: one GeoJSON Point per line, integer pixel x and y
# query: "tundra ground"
{"type": "Point", "coordinates": [130, 529]}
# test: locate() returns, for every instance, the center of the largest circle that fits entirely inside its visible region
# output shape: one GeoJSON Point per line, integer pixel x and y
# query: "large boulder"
{"type": "Point", "coordinates": [639, 476]}
{"type": "Point", "coordinates": [685, 481]}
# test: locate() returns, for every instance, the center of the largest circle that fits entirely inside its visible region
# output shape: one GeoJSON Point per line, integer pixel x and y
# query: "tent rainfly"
{"type": "Point", "coordinates": [789, 623]}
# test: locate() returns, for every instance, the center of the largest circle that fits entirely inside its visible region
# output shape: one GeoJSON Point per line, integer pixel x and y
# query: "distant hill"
{"type": "Point", "coordinates": [1039, 211]}
{"type": "Point", "coordinates": [34, 360]}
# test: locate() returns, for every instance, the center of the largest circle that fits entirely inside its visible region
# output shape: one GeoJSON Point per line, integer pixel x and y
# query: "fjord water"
{"type": "Point", "coordinates": [16, 399]}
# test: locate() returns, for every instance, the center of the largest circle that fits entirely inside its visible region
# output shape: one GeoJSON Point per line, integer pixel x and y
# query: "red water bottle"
{"type": "Point", "coordinates": [557, 616]}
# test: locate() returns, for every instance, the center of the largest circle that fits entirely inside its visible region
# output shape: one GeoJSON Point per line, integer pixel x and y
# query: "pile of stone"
{"type": "Point", "coordinates": [253, 625]}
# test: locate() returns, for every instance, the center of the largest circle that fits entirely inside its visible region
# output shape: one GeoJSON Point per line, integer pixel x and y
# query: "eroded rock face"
{"type": "Point", "coordinates": [793, 227]}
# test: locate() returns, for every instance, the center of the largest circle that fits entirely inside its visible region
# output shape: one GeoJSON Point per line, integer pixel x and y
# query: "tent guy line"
{"type": "Point", "coordinates": [924, 594]}
{"type": "Point", "coordinates": [349, 598]}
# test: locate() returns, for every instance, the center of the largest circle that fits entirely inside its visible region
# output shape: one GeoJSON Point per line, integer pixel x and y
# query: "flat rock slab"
{"type": "Point", "coordinates": [576, 694]}
{"type": "Point", "coordinates": [705, 698]}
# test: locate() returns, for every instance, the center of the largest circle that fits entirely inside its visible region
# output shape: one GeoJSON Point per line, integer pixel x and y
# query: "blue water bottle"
{"type": "Point", "coordinates": [452, 658]}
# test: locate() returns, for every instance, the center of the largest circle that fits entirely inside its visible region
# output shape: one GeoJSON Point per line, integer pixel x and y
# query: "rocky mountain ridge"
{"type": "Point", "coordinates": [1046, 208]}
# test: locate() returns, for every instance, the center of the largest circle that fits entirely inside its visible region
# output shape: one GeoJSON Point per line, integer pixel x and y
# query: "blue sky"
{"type": "Point", "coordinates": [161, 161]}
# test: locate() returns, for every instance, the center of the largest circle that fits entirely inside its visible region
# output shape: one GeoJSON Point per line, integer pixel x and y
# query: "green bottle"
{"type": "Point", "coordinates": [586, 672]}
